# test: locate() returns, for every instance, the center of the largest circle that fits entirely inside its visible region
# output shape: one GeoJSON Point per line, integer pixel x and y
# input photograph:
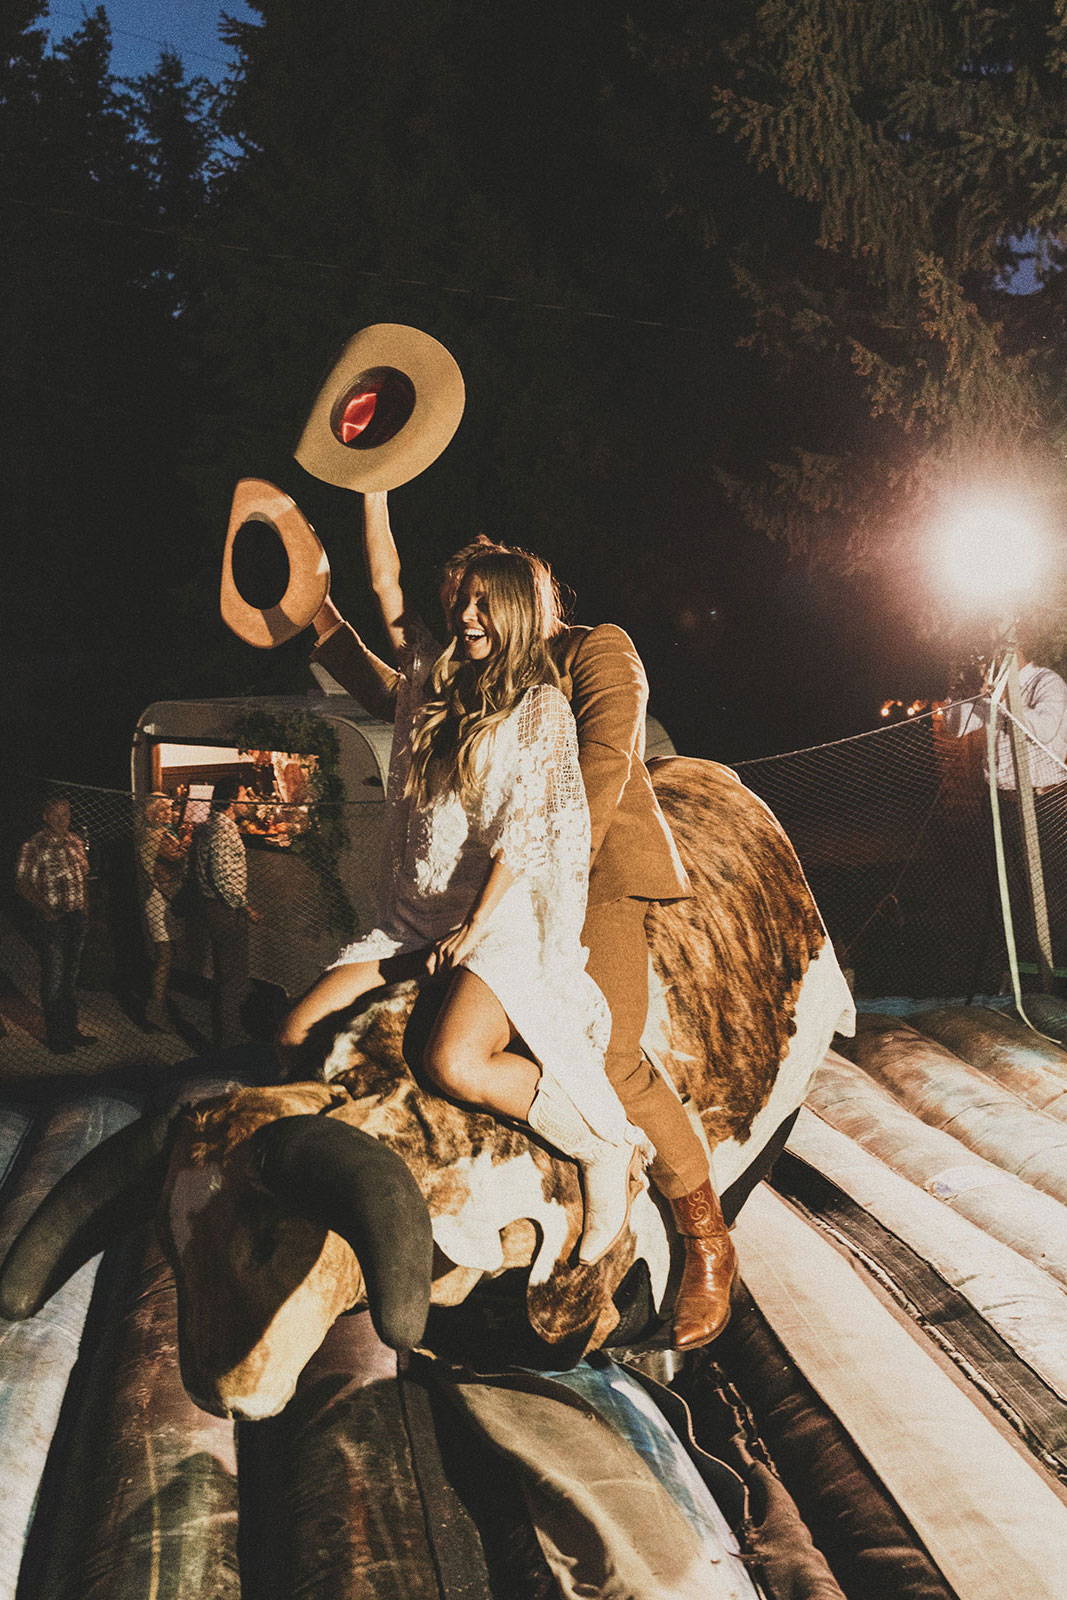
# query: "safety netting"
{"type": "Point", "coordinates": [893, 828]}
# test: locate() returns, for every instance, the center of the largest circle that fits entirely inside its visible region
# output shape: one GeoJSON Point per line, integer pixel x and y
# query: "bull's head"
{"type": "Point", "coordinates": [276, 1217]}
{"type": "Point", "coordinates": [281, 1208]}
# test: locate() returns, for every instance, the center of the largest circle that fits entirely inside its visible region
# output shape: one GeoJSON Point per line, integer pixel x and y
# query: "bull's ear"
{"type": "Point", "coordinates": [105, 1194]}
{"type": "Point", "coordinates": [346, 1181]}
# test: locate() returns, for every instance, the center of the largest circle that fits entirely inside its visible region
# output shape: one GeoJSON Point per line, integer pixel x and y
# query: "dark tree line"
{"type": "Point", "coordinates": [99, 383]}
{"type": "Point", "coordinates": [712, 274]}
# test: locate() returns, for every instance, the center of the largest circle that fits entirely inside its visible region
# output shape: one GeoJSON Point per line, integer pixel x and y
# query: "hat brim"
{"type": "Point", "coordinates": [256, 500]}
{"type": "Point", "coordinates": [435, 416]}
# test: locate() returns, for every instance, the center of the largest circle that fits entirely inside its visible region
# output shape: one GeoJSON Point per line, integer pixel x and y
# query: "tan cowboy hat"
{"type": "Point", "coordinates": [256, 501]}
{"type": "Point", "coordinates": [388, 408]}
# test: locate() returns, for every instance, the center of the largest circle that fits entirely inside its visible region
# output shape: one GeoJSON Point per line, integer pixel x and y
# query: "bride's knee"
{"type": "Point", "coordinates": [338, 988]}
{"type": "Point", "coordinates": [451, 1068]}
{"type": "Point", "coordinates": [297, 1022]}
{"type": "Point", "coordinates": [291, 1032]}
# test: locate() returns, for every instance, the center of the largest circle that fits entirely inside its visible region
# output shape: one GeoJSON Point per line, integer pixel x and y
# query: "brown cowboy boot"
{"type": "Point", "coordinates": [702, 1308]}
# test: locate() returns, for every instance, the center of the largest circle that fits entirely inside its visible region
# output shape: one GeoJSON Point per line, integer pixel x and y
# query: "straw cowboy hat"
{"type": "Point", "coordinates": [256, 502]}
{"type": "Point", "coordinates": [387, 410]}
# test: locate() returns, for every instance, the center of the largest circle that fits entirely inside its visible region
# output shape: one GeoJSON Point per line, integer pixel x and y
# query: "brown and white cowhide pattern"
{"type": "Point", "coordinates": [497, 1197]}
{"type": "Point", "coordinates": [747, 997]}
{"type": "Point", "coordinates": [747, 992]}
{"type": "Point", "coordinates": [260, 1285]}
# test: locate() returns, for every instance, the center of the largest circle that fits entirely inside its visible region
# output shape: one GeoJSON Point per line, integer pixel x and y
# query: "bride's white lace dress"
{"type": "Point", "coordinates": [530, 808]}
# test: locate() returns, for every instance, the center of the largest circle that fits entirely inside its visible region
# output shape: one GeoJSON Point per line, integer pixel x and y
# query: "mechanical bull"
{"type": "Point", "coordinates": [281, 1208]}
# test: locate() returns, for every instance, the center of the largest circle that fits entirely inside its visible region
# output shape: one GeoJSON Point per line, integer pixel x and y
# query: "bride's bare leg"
{"type": "Point", "coordinates": [336, 989]}
{"type": "Point", "coordinates": [468, 1056]}
{"type": "Point", "coordinates": [467, 1053]}
{"type": "Point", "coordinates": [341, 987]}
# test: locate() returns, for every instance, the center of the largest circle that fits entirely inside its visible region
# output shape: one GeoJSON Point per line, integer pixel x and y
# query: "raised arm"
{"type": "Point", "coordinates": [383, 566]}
{"type": "Point", "coordinates": [339, 647]}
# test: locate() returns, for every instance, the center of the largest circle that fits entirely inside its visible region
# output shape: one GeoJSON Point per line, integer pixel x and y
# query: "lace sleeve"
{"type": "Point", "coordinates": [544, 814]}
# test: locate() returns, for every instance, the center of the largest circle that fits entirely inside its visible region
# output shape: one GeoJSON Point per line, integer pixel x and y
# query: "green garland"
{"type": "Point", "coordinates": [304, 733]}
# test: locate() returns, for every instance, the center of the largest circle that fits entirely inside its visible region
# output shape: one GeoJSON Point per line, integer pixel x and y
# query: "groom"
{"type": "Point", "coordinates": [634, 862]}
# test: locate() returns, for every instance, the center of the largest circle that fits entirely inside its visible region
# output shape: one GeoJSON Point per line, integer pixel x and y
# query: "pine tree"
{"type": "Point", "coordinates": [68, 184]}
{"type": "Point", "coordinates": [475, 171]}
{"type": "Point", "coordinates": [918, 151]}
{"type": "Point", "coordinates": [97, 181]}
{"type": "Point", "coordinates": [176, 140]}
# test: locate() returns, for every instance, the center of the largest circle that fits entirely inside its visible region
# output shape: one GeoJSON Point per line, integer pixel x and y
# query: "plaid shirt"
{"type": "Point", "coordinates": [219, 861]}
{"type": "Point", "coordinates": [53, 872]}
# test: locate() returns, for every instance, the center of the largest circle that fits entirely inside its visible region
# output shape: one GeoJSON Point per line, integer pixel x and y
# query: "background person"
{"type": "Point", "coordinates": [1044, 716]}
{"type": "Point", "coordinates": [220, 874]}
{"type": "Point", "coordinates": [53, 877]}
{"type": "Point", "coordinates": [633, 863]}
{"type": "Point", "coordinates": [161, 862]}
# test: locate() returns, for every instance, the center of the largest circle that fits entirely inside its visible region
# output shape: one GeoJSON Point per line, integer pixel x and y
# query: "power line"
{"type": "Point", "coordinates": [143, 38]}
{"type": "Point", "coordinates": [332, 266]}
{"type": "Point", "coordinates": [359, 272]}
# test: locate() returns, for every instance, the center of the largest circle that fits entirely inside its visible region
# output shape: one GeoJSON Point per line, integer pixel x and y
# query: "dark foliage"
{"type": "Point", "coordinates": [654, 253]}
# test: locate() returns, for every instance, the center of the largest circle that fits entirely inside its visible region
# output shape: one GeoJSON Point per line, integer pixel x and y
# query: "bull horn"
{"type": "Point", "coordinates": [102, 1196]}
{"type": "Point", "coordinates": [341, 1178]}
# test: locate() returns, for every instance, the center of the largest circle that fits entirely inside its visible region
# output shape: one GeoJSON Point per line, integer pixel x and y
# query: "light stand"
{"type": "Point", "coordinates": [1024, 788]}
{"type": "Point", "coordinates": [993, 553]}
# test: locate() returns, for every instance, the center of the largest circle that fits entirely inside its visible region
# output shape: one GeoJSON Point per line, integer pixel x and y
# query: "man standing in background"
{"type": "Point", "coordinates": [220, 871]}
{"type": "Point", "coordinates": [1044, 715]}
{"type": "Point", "coordinates": [53, 877]}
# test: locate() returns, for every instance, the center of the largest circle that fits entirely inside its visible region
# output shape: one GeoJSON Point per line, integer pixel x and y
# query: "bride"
{"type": "Point", "coordinates": [486, 878]}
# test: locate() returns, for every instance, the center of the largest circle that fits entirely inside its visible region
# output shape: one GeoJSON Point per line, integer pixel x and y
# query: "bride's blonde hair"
{"type": "Point", "coordinates": [468, 699]}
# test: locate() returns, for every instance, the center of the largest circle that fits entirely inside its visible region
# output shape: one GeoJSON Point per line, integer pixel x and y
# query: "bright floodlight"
{"type": "Point", "coordinates": [991, 554]}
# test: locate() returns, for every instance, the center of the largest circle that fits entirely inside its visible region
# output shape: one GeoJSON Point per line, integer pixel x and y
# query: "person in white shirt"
{"type": "Point", "coordinates": [1044, 717]}
{"type": "Point", "coordinates": [1044, 695]}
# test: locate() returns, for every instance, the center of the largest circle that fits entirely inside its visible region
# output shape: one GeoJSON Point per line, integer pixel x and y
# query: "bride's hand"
{"type": "Point", "coordinates": [453, 949]}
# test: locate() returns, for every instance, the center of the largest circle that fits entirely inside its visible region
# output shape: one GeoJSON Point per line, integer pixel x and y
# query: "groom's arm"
{"type": "Point", "coordinates": [365, 676]}
{"type": "Point", "coordinates": [609, 699]}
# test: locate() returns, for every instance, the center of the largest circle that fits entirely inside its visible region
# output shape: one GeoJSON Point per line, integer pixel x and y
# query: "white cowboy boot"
{"type": "Point", "coordinates": [611, 1173]}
